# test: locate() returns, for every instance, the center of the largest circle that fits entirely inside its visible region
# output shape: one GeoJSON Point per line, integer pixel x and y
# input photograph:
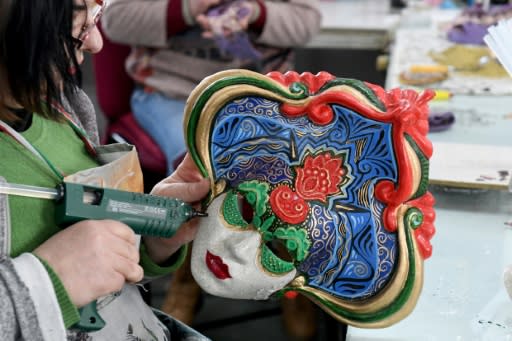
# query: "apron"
{"type": "Point", "coordinates": [126, 314]}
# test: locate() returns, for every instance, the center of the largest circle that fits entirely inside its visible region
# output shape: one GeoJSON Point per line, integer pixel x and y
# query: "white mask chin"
{"type": "Point", "coordinates": [226, 261]}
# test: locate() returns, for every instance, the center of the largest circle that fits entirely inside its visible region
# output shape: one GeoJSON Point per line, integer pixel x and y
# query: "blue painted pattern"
{"type": "Point", "coordinates": [351, 255]}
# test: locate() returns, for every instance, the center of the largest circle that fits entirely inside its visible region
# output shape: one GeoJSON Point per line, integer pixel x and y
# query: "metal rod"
{"type": "Point", "coordinates": [30, 191]}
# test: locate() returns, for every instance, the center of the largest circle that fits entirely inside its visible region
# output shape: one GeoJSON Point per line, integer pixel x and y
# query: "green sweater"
{"type": "Point", "coordinates": [32, 220]}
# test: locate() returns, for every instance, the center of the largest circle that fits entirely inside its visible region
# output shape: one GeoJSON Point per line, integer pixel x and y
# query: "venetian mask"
{"type": "Point", "coordinates": [318, 186]}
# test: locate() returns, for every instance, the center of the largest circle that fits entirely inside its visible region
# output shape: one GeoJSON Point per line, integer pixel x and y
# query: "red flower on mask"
{"type": "Point", "coordinates": [319, 178]}
{"type": "Point", "coordinates": [288, 206]}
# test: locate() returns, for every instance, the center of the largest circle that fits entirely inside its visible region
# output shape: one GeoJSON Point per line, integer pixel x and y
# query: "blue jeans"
{"type": "Point", "coordinates": [162, 118]}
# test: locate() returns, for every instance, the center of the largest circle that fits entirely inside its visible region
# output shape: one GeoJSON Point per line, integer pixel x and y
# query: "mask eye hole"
{"type": "Point", "coordinates": [279, 249]}
{"type": "Point", "coordinates": [245, 208]}
{"type": "Point", "coordinates": [233, 208]}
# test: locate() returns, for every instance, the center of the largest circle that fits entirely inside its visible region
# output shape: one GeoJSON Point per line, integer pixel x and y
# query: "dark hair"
{"type": "Point", "coordinates": [37, 54]}
{"type": "Point", "coordinates": [5, 5]}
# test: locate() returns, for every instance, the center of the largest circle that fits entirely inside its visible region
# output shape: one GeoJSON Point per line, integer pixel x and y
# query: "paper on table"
{"type": "Point", "coordinates": [499, 40]}
{"type": "Point", "coordinates": [471, 166]}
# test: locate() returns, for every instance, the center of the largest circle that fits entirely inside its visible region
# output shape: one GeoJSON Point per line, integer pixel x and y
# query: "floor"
{"type": "Point", "coordinates": [235, 320]}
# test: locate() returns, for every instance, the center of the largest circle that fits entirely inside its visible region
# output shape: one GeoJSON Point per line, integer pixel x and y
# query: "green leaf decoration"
{"type": "Point", "coordinates": [291, 244]}
{"type": "Point", "coordinates": [296, 241]}
{"type": "Point", "coordinates": [267, 236]}
{"type": "Point", "coordinates": [256, 221]}
{"type": "Point", "coordinates": [299, 88]}
{"type": "Point", "coordinates": [267, 223]}
{"type": "Point", "coordinates": [414, 217]}
{"type": "Point", "coordinates": [251, 198]}
{"type": "Point", "coordinates": [256, 193]}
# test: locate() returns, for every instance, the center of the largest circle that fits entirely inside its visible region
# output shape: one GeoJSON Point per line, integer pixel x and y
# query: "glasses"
{"type": "Point", "coordinates": [96, 12]}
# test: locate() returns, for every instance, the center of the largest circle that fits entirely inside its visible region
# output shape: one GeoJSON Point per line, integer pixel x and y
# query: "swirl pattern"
{"type": "Point", "coordinates": [351, 255]}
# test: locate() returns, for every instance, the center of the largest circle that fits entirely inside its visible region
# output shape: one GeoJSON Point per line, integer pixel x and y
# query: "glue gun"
{"type": "Point", "coordinates": [145, 214]}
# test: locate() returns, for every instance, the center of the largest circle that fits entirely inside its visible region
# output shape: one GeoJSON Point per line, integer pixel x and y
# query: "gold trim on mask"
{"type": "Point", "coordinates": [229, 93]}
{"type": "Point", "coordinates": [390, 293]}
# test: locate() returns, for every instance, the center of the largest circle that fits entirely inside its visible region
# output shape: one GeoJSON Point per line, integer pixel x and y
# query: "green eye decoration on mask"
{"type": "Point", "coordinates": [231, 211]}
{"type": "Point", "coordinates": [273, 263]}
{"type": "Point", "coordinates": [295, 240]}
{"type": "Point", "coordinates": [255, 193]}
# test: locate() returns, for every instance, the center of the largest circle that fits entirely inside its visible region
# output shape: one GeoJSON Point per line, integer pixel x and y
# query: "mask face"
{"type": "Point", "coordinates": [318, 185]}
{"type": "Point", "coordinates": [227, 255]}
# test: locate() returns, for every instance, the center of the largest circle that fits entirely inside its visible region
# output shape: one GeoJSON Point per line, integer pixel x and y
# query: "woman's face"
{"type": "Point", "coordinates": [227, 260]}
{"type": "Point", "coordinates": [85, 32]}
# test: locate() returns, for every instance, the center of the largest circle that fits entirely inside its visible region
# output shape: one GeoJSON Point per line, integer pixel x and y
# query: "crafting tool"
{"type": "Point", "coordinates": [442, 95]}
{"type": "Point", "coordinates": [424, 74]}
{"type": "Point", "coordinates": [428, 68]}
{"type": "Point", "coordinates": [441, 68]}
{"type": "Point", "coordinates": [146, 214]}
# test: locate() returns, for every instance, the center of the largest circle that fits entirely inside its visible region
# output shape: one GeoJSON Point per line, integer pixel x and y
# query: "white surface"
{"type": "Point", "coordinates": [355, 24]}
{"type": "Point", "coordinates": [463, 297]}
{"type": "Point", "coordinates": [485, 120]}
{"type": "Point", "coordinates": [414, 27]}
{"type": "Point", "coordinates": [477, 146]}
{"type": "Point", "coordinates": [364, 15]}
{"type": "Point", "coordinates": [34, 275]}
{"type": "Point", "coordinates": [498, 40]}
{"type": "Point", "coordinates": [463, 277]}
{"type": "Point", "coordinates": [412, 47]}
{"type": "Point", "coordinates": [471, 166]}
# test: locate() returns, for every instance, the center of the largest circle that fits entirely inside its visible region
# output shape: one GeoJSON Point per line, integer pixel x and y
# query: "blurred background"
{"type": "Point", "coordinates": [358, 39]}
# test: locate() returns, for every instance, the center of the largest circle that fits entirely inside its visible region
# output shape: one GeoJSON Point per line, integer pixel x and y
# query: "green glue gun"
{"type": "Point", "coordinates": [145, 214]}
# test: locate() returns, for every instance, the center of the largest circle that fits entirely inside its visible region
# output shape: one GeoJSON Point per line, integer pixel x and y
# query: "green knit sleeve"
{"type": "Point", "coordinates": [69, 311]}
{"type": "Point", "coordinates": [151, 269]}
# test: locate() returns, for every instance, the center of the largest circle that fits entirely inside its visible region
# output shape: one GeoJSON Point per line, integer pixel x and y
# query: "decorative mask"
{"type": "Point", "coordinates": [318, 186]}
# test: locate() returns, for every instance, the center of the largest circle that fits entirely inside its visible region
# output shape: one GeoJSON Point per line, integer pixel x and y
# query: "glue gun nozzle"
{"type": "Point", "coordinates": [200, 214]}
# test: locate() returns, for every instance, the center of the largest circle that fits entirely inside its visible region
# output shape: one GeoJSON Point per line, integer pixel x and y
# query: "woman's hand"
{"type": "Point", "coordinates": [93, 258]}
{"type": "Point", "coordinates": [187, 184]}
{"type": "Point", "coordinates": [229, 19]}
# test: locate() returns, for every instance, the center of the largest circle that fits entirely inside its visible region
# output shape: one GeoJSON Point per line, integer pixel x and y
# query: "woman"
{"type": "Point", "coordinates": [177, 43]}
{"type": "Point", "coordinates": [47, 124]}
